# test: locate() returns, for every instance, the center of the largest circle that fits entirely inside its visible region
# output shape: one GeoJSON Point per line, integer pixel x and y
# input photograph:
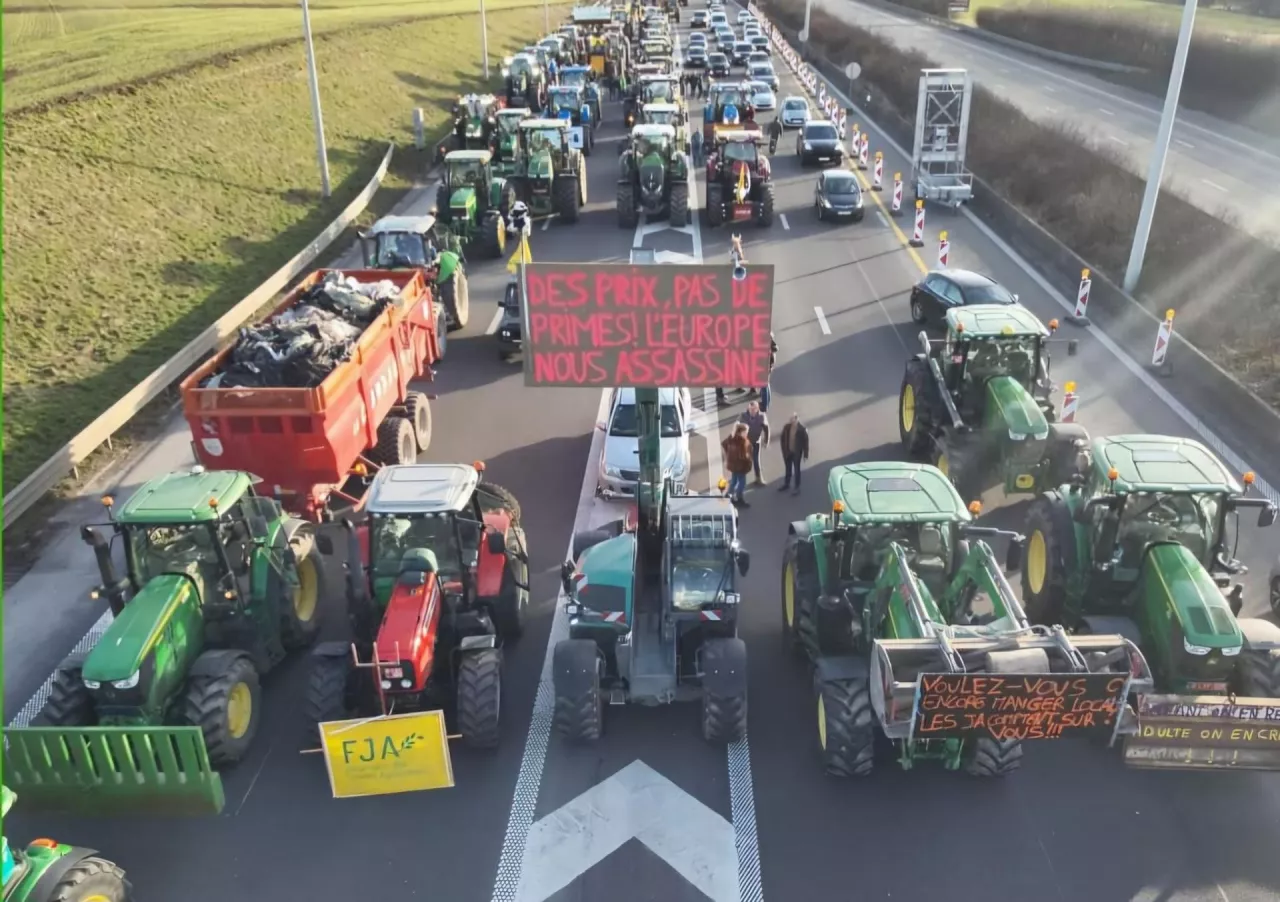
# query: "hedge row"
{"type": "Point", "coordinates": [1232, 77]}
{"type": "Point", "coordinates": [1224, 283]}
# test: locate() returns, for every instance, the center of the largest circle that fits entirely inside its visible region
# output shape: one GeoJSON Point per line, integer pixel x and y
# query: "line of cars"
{"type": "Point", "coordinates": [751, 52]}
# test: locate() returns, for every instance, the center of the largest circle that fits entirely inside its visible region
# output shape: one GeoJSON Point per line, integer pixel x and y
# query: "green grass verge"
{"type": "Point", "coordinates": [134, 219]}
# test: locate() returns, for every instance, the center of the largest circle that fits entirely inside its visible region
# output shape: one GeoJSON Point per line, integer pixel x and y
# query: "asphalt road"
{"type": "Point", "coordinates": [652, 812]}
{"type": "Point", "coordinates": [1216, 165]}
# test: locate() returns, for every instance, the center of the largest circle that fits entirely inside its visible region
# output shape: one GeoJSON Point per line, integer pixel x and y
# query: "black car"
{"type": "Point", "coordinates": [943, 289]}
{"type": "Point", "coordinates": [718, 63]}
{"type": "Point", "coordinates": [696, 58]}
{"type": "Point", "coordinates": [837, 196]}
{"type": "Point", "coordinates": [818, 142]}
{"type": "Point", "coordinates": [511, 326]}
{"type": "Point", "coordinates": [699, 20]}
{"type": "Point", "coordinates": [741, 51]}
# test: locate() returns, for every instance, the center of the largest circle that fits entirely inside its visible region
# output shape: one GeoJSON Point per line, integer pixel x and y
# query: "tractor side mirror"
{"type": "Point", "coordinates": [496, 542]}
{"type": "Point", "coordinates": [566, 578]}
{"type": "Point", "coordinates": [1267, 516]}
{"type": "Point", "coordinates": [1013, 557]}
{"type": "Point", "coordinates": [1072, 347]}
{"type": "Point", "coordinates": [744, 561]}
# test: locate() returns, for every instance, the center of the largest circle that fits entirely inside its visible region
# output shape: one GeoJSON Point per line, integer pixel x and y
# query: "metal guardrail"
{"type": "Point", "coordinates": [97, 433]}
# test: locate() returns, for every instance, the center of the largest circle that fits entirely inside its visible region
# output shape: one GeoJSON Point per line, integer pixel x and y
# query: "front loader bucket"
{"type": "Point", "coordinates": [1031, 684]}
{"type": "Point", "coordinates": [112, 770]}
{"type": "Point", "coordinates": [1205, 732]}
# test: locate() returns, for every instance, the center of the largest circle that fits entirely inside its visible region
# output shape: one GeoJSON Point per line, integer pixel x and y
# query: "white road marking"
{"type": "Point", "coordinates": [493, 323]}
{"type": "Point", "coordinates": [786, 225]}
{"type": "Point", "coordinates": [1121, 141]}
{"type": "Point", "coordinates": [1050, 90]}
{"type": "Point", "coordinates": [1051, 110]}
{"type": "Point", "coordinates": [1186, 144]}
{"type": "Point", "coordinates": [883, 220]}
{"type": "Point", "coordinates": [1214, 185]}
{"type": "Point", "coordinates": [1104, 111]}
{"type": "Point", "coordinates": [822, 321]}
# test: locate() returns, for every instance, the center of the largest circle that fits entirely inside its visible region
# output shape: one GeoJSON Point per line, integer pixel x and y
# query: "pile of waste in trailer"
{"type": "Point", "coordinates": [299, 347]}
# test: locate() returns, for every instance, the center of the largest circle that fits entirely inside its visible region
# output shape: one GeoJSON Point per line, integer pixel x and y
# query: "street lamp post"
{"type": "Point", "coordinates": [1155, 175]}
{"type": "Point", "coordinates": [484, 40]}
{"type": "Point", "coordinates": [322, 155]}
{"type": "Point", "coordinates": [804, 32]}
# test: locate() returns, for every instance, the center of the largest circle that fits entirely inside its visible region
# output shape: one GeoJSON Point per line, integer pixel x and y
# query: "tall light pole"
{"type": "Point", "coordinates": [546, 16]}
{"type": "Point", "coordinates": [484, 40]}
{"type": "Point", "coordinates": [322, 156]}
{"type": "Point", "coordinates": [804, 32]}
{"type": "Point", "coordinates": [1155, 175]}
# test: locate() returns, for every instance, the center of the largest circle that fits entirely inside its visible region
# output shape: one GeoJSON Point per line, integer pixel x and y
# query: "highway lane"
{"type": "Point", "coordinates": [1216, 165]}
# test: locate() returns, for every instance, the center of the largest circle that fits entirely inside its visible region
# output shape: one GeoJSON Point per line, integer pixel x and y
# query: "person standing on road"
{"type": "Point", "coordinates": [794, 442]}
{"type": "Point", "coordinates": [775, 132]}
{"type": "Point", "coordinates": [757, 423]}
{"type": "Point", "coordinates": [738, 461]}
{"type": "Point", "coordinates": [696, 141]}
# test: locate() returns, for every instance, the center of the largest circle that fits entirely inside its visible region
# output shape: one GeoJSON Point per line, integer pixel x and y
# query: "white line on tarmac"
{"type": "Point", "coordinates": [883, 220]}
{"type": "Point", "coordinates": [493, 323]}
{"type": "Point", "coordinates": [1188, 145]}
{"type": "Point", "coordinates": [1104, 111]}
{"type": "Point", "coordinates": [546, 222]}
{"type": "Point", "coordinates": [1214, 185]}
{"type": "Point", "coordinates": [786, 225]}
{"type": "Point", "coordinates": [1120, 141]}
{"type": "Point", "coordinates": [1051, 110]}
{"type": "Point", "coordinates": [1051, 90]}
{"type": "Point", "coordinates": [822, 321]}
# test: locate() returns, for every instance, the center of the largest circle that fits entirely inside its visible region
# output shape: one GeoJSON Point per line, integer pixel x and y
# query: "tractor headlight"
{"type": "Point", "coordinates": [406, 684]}
{"type": "Point", "coordinates": [808, 146]}
{"type": "Point", "coordinates": [1231, 652]}
{"type": "Point", "coordinates": [1195, 649]}
{"type": "Point", "coordinates": [92, 684]}
{"type": "Point", "coordinates": [1017, 436]}
{"type": "Point", "coordinates": [127, 682]}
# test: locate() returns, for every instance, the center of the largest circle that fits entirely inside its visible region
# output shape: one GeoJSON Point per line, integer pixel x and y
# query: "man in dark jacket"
{"type": "Point", "coordinates": [794, 442]}
{"type": "Point", "coordinates": [775, 132]}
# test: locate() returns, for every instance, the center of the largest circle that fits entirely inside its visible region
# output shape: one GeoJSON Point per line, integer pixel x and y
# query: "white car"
{"type": "Point", "coordinates": [762, 96]}
{"type": "Point", "coordinates": [745, 16]}
{"type": "Point", "coordinates": [795, 112]}
{"type": "Point", "coordinates": [717, 19]}
{"type": "Point", "coordinates": [620, 460]}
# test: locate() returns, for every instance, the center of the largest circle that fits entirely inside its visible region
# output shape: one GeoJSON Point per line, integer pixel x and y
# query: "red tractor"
{"type": "Point", "coordinates": [739, 180]}
{"type": "Point", "coordinates": [437, 583]}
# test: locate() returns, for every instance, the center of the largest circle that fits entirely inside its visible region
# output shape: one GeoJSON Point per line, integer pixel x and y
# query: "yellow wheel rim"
{"type": "Point", "coordinates": [789, 595]}
{"type": "Point", "coordinates": [943, 464]}
{"type": "Point", "coordinates": [908, 408]}
{"type": "Point", "coordinates": [96, 897]}
{"type": "Point", "coordinates": [239, 710]}
{"type": "Point", "coordinates": [822, 722]}
{"type": "Point", "coordinates": [1037, 561]}
{"type": "Point", "coordinates": [307, 595]}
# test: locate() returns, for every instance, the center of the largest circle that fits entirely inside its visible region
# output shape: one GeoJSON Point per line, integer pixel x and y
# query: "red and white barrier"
{"type": "Point", "coordinates": [944, 247]}
{"type": "Point", "coordinates": [1070, 401]}
{"type": "Point", "coordinates": [877, 173]}
{"type": "Point", "coordinates": [896, 207]}
{"type": "Point", "coordinates": [1164, 335]}
{"type": "Point", "coordinates": [917, 236]}
{"type": "Point", "coordinates": [1080, 317]}
{"type": "Point", "coordinates": [863, 150]}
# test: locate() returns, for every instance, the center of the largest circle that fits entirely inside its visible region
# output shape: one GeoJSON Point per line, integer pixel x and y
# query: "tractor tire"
{"type": "Point", "coordinates": [217, 703]}
{"type": "Point", "coordinates": [992, 757]}
{"type": "Point", "coordinates": [679, 205]}
{"type": "Point", "coordinates": [628, 212]}
{"type": "Point", "coordinates": [588, 140]}
{"type": "Point", "coordinates": [1044, 570]}
{"type": "Point", "coordinates": [300, 614]}
{"type": "Point", "coordinates": [724, 717]}
{"type": "Point", "coordinates": [69, 703]}
{"type": "Point", "coordinates": [443, 212]}
{"type": "Point", "coordinates": [91, 879]}
{"type": "Point", "coordinates": [480, 698]}
{"type": "Point", "coordinates": [715, 205]}
{"type": "Point", "coordinates": [579, 717]}
{"type": "Point", "coordinates": [915, 415]}
{"type": "Point", "coordinates": [800, 590]}
{"type": "Point", "coordinates": [846, 727]}
{"type": "Point", "coordinates": [442, 333]}
{"type": "Point", "coordinates": [417, 407]}
{"type": "Point", "coordinates": [764, 208]}
{"type": "Point", "coordinates": [455, 294]}
{"type": "Point", "coordinates": [396, 444]}
{"type": "Point", "coordinates": [1259, 673]}
{"type": "Point", "coordinates": [494, 497]}
{"type": "Point", "coordinates": [582, 183]}
{"type": "Point", "coordinates": [564, 198]}
{"type": "Point", "coordinates": [329, 689]}
{"type": "Point", "coordinates": [493, 235]}
{"type": "Point", "coordinates": [512, 603]}
{"type": "Point", "coordinates": [960, 469]}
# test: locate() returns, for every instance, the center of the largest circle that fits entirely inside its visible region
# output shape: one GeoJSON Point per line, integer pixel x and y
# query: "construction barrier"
{"type": "Point", "coordinates": [917, 236]}
{"type": "Point", "coordinates": [944, 249]}
{"type": "Point", "coordinates": [1080, 316]}
{"type": "Point", "coordinates": [1160, 356]}
{"type": "Point", "coordinates": [863, 151]}
{"type": "Point", "coordinates": [877, 174]}
{"type": "Point", "coordinates": [896, 208]}
{"type": "Point", "coordinates": [1070, 401]}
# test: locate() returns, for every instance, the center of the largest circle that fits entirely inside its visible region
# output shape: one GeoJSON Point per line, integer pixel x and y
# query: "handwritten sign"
{"type": "Point", "coordinates": [1205, 732]}
{"type": "Point", "coordinates": [1016, 706]}
{"type": "Point", "coordinates": [385, 755]}
{"type": "Point", "coordinates": [646, 326]}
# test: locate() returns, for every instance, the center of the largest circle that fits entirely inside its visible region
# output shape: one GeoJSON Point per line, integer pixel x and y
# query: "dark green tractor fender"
{"type": "Point", "coordinates": [799, 529]}
{"type": "Point", "coordinates": [589, 538]}
{"type": "Point", "coordinates": [1103, 624]}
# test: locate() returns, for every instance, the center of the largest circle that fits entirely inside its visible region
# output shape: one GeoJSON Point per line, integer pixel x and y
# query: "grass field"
{"type": "Point", "coordinates": [1155, 11]}
{"type": "Point", "coordinates": [134, 219]}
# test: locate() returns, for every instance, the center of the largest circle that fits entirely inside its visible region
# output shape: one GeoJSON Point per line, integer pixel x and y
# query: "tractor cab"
{"type": "Point", "coordinates": [507, 140]}
{"type": "Point", "coordinates": [985, 341]}
{"type": "Point", "coordinates": [661, 114]}
{"type": "Point", "coordinates": [467, 176]}
{"type": "Point", "coordinates": [659, 89]}
{"type": "Point", "coordinates": [525, 81]}
{"type": "Point", "coordinates": [584, 78]}
{"type": "Point", "coordinates": [522, 66]}
{"type": "Point", "coordinates": [701, 555]}
{"type": "Point", "coordinates": [404, 242]}
{"type": "Point", "coordinates": [554, 47]}
{"type": "Point", "coordinates": [656, 140]}
{"type": "Point", "coordinates": [653, 50]}
{"type": "Point", "coordinates": [569, 103]}
{"type": "Point", "coordinates": [473, 117]}
{"type": "Point", "coordinates": [728, 108]}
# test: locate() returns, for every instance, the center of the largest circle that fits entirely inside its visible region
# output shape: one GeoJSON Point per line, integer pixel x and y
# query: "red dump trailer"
{"type": "Point", "coordinates": [316, 448]}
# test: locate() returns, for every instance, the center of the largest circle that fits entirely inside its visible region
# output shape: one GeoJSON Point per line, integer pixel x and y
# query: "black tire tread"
{"type": "Point", "coordinates": [993, 757]}
{"type": "Point", "coordinates": [851, 728]}
{"type": "Point", "coordinates": [327, 689]}
{"type": "Point", "coordinates": [916, 442]}
{"type": "Point", "coordinates": [92, 878]}
{"type": "Point", "coordinates": [390, 444]}
{"type": "Point", "coordinates": [69, 703]}
{"type": "Point", "coordinates": [1259, 673]}
{"type": "Point", "coordinates": [294, 633]}
{"type": "Point", "coordinates": [1047, 608]}
{"type": "Point", "coordinates": [679, 205]}
{"type": "Point", "coordinates": [414, 403]}
{"type": "Point", "coordinates": [494, 497]}
{"type": "Point", "coordinates": [565, 198]}
{"type": "Point", "coordinates": [724, 718]}
{"type": "Point", "coordinates": [480, 698]}
{"type": "Point", "coordinates": [205, 705]}
{"type": "Point", "coordinates": [578, 718]}
{"type": "Point", "coordinates": [628, 213]}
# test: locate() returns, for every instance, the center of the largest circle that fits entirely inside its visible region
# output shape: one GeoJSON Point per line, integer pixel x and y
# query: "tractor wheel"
{"type": "Point", "coordinates": [724, 717]}
{"type": "Point", "coordinates": [846, 727]}
{"type": "Point", "coordinates": [579, 716]}
{"type": "Point", "coordinates": [564, 197]}
{"type": "Point", "coordinates": [799, 592]}
{"type": "Point", "coordinates": [958, 467]}
{"type": "Point", "coordinates": [69, 703]}
{"type": "Point", "coordinates": [715, 205]}
{"type": "Point", "coordinates": [588, 140]}
{"type": "Point", "coordinates": [764, 209]}
{"type": "Point", "coordinates": [493, 234]}
{"type": "Point", "coordinates": [582, 183]}
{"type": "Point", "coordinates": [993, 758]}
{"type": "Point", "coordinates": [1044, 577]}
{"type": "Point", "coordinates": [480, 698]}
{"type": "Point", "coordinates": [1259, 673]}
{"type": "Point", "coordinates": [679, 205]}
{"type": "Point", "coordinates": [91, 879]}
{"type": "Point", "coordinates": [455, 294]}
{"type": "Point", "coordinates": [443, 212]}
{"type": "Point", "coordinates": [494, 497]}
{"type": "Point", "coordinates": [396, 444]}
{"type": "Point", "coordinates": [512, 602]}
{"type": "Point", "coordinates": [301, 612]}
{"type": "Point", "coordinates": [417, 408]}
{"type": "Point", "coordinates": [628, 212]}
{"type": "Point", "coordinates": [224, 705]}
{"type": "Point", "coordinates": [329, 689]}
{"type": "Point", "coordinates": [914, 413]}
{"type": "Point", "coordinates": [442, 333]}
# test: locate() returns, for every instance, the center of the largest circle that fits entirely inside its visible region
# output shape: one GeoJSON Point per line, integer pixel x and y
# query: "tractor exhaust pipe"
{"type": "Point", "coordinates": [114, 587]}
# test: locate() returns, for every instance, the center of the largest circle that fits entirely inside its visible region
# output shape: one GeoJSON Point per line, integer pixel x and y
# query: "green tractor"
{"type": "Point", "coordinates": [896, 587]}
{"type": "Point", "coordinates": [525, 82]}
{"type": "Point", "coordinates": [1141, 544]}
{"type": "Point", "coordinates": [474, 123]}
{"type": "Point", "coordinates": [506, 143]}
{"type": "Point", "coordinates": [671, 114]}
{"type": "Point", "coordinates": [551, 176]}
{"type": "Point", "coordinates": [414, 242]}
{"type": "Point", "coordinates": [473, 202]}
{"type": "Point", "coordinates": [220, 585]}
{"type": "Point", "coordinates": [653, 177]}
{"type": "Point", "coordinates": [977, 404]}
{"type": "Point", "coordinates": [50, 871]}
{"type": "Point", "coordinates": [570, 104]}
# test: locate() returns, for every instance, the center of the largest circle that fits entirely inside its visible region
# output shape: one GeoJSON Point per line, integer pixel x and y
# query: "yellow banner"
{"type": "Point", "coordinates": [386, 755]}
{"type": "Point", "coordinates": [522, 255]}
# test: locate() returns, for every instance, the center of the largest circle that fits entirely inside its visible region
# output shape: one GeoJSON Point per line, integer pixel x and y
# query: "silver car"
{"type": "Point", "coordinates": [620, 460]}
{"type": "Point", "coordinates": [765, 73]}
{"type": "Point", "coordinates": [795, 112]}
{"type": "Point", "coordinates": [762, 96]}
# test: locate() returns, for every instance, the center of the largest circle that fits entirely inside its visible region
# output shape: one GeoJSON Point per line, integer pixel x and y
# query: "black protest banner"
{"type": "Point", "coordinates": [600, 324]}
{"type": "Point", "coordinates": [1017, 706]}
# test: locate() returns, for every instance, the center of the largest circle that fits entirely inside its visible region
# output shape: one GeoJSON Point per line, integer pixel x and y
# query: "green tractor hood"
{"type": "Point", "coordinates": [1174, 580]}
{"type": "Point", "coordinates": [541, 165]}
{"type": "Point", "coordinates": [1011, 405]}
{"type": "Point", "coordinates": [507, 147]}
{"type": "Point", "coordinates": [463, 201]}
{"type": "Point", "coordinates": [608, 576]}
{"type": "Point", "coordinates": [133, 635]}
{"type": "Point", "coordinates": [653, 172]}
